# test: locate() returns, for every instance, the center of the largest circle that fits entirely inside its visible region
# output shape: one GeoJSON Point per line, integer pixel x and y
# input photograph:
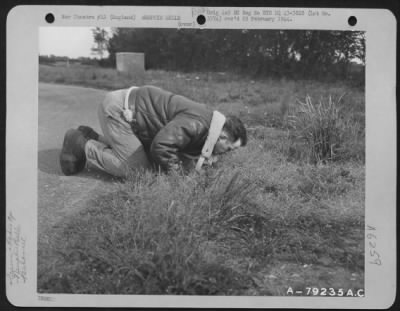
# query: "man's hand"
{"type": "Point", "coordinates": [213, 159]}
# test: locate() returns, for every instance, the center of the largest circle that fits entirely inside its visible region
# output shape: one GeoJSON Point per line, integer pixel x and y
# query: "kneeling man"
{"type": "Point", "coordinates": [148, 127]}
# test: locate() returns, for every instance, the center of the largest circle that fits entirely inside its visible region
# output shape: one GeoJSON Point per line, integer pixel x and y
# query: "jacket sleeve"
{"type": "Point", "coordinates": [174, 138]}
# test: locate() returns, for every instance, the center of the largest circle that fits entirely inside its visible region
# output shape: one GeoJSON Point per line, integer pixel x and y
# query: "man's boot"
{"type": "Point", "coordinates": [72, 156]}
{"type": "Point", "coordinates": [88, 132]}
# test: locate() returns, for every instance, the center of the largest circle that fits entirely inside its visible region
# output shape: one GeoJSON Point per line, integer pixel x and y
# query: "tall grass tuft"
{"type": "Point", "coordinates": [227, 198]}
{"type": "Point", "coordinates": [325, 131]}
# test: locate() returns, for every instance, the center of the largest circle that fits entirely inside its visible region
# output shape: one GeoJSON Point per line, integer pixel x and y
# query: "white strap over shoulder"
{"type": "Point", "coordinates": [128, 113]}
{"type": "Point", "coordinates": [217, 123]}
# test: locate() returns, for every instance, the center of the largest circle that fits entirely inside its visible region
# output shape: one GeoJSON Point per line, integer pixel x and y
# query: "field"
{"type": "Point", "coordinates": [278, 213]}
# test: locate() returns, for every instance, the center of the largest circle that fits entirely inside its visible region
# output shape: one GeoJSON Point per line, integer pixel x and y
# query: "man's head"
{"type": "Point", "coordinates": [233, 135]}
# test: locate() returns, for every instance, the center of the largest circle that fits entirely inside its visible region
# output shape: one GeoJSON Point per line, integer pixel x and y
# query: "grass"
{"type": "Point", "coordinates": [327, 133]}
{"type": "Point", "coordinates": [86, 75]}
{"type": "Point", "coordinates": [259, 221]}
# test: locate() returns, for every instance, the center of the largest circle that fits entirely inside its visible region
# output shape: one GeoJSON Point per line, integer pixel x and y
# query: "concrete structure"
{"type": "Point", "coordinates": [130, 63]}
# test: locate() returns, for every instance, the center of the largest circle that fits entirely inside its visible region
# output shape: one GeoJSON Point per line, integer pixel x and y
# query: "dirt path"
{"type": "Point", "coordinates": [62, 107]}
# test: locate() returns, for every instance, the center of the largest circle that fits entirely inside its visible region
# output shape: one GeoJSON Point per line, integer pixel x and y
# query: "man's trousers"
{"type": "Point", "coordinates": [118, 151]}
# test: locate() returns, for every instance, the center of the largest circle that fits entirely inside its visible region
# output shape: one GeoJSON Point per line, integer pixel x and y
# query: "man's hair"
{"type": "Point", "coordinates": [235, 128]}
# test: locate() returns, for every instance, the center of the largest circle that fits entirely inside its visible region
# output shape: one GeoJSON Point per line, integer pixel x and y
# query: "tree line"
{"type": "Point", "coordinates": [54, 59]}
{"type": "Point", "coordinates": [300, 54]}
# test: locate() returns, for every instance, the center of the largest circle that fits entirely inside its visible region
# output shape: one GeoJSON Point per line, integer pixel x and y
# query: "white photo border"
{"type": "Point", "coordinates": [22, 42]}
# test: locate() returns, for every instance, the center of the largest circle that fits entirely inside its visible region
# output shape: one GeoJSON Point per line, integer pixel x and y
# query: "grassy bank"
{"type": "Point", "coordinates": [264, 218]}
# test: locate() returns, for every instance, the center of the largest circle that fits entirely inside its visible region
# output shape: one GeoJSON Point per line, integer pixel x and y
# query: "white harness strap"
{"type": "Point", "coordinates": [217, 123]}
{"type": "Point", "coordinates": [128, 113]}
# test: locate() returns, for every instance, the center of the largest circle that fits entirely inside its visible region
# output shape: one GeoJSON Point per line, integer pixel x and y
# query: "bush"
{"type": "Point", "coordinates": [320, 132]}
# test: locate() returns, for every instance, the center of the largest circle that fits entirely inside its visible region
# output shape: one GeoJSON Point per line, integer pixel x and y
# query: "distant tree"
{"type": "Point", "coordinates": [310, 54]}
{"type": "Point", "coordinates": [45, 59]}
{"type": "Point", "coordinates": [52, 59]}
{"type": "Point", "coordinates": [100, 37]}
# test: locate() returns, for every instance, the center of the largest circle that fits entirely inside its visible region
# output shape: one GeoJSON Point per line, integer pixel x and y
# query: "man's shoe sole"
{"type": "Point", "coordinates": [72, 156]}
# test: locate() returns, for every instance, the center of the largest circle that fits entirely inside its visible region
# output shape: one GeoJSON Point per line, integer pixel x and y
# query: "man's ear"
{"type": "Point", "coordinates": [237, 143]}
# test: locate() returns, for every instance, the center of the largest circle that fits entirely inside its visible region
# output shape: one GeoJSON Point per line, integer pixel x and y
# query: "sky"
{"type": "Point", "coordinates": [73, 42]}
